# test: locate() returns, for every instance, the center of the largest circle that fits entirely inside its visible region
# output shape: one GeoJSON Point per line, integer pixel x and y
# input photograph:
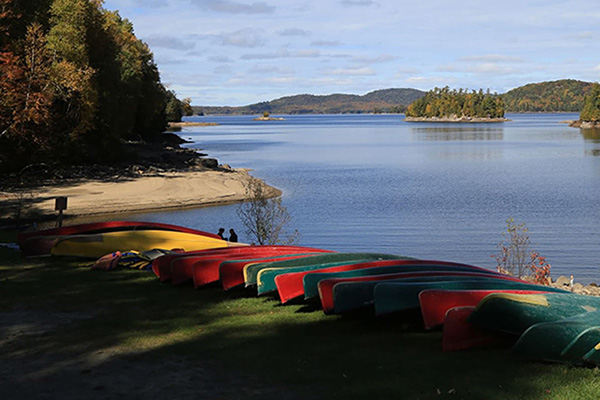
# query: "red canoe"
{"type": "Point", "coordinates": [459, 334]}
{"type": "Point", "coordinates": [38, 243]}
{"type": "Point", "coordinates": [435, 303]}
{"type": "Point", "coordinates": [182, 269]}
{"type": "Point", "coordinates": [207, 271]}
{"type": "Point", "coordinates": [326, 286]}
{"type": "Point", "coordinates": [290, 286]}
{"type": "Point", "coordinates": [162, 265]}
{"type": "Point", "coordinates": [231, 272]}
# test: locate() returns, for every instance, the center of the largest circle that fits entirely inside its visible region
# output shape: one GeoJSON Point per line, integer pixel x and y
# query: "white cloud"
{"type": "Point", "coordinates": [492, 58]}
{"type": "Point", "coordinates": [293, 32]}
{"type": "Point", "coordinates": [364, 71]}
{"type": "Point", "coordinates": [235, 7]}
{"type": "Point", "coordinates": [169, 42]}
{"type": "Point", "coordinates": [247, 37]}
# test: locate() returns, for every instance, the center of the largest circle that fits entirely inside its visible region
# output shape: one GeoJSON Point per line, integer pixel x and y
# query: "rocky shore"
{"type": "Point", "coordinates": [565, 283]}
{"type": "Point", "coordinates": [584, 124]}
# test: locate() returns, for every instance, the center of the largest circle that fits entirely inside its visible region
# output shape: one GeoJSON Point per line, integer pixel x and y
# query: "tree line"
{"type": "Point", "coordinates": [75, 82]}
{"type": "Point", "coordinates": [459, 103]}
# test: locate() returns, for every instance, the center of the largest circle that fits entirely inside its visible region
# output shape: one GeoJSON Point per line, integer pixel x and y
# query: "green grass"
{"type": "Point", "coordinates": [293, 347]}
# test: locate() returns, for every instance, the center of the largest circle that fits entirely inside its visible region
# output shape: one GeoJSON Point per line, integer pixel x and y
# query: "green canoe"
{"type": "Point", "coordinates": [311, 281]}
{"type": "Point", "coordinates": [549, 341]}
{"type": "Point", "coordinates": [266, 277]}
{"type": "Point", "coordinates": [583, 348]}
{"type": "Point", "coordinates": [514, 313]}
{"type": "Point", "coordinates": [251, 272]}
{"type": "Point", "coordinates": [356, 295]}
{"type": "Point", "coordinates": [392, 297]}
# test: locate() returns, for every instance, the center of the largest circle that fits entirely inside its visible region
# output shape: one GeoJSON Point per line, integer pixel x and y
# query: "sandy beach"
{"type": "Point", "coordinates": [159, 192]}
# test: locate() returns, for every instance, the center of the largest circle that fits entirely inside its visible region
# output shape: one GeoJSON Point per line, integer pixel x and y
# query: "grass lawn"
{"type": "Point", "coordinates": [68, 332]}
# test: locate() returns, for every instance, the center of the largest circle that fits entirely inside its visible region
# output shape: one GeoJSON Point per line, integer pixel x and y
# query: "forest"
{"type": "Point", "coordinates": [564, 95]}
{"type": "Point", "coordinates": [75, 83]}
{"type": "Point", "coordinates": [447, 103]}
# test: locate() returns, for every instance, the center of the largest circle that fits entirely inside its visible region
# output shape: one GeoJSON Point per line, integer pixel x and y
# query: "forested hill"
{"type": "Point", "coordinates": [562, 95]}
{"type": "Point", "coordinates": [387, 100]}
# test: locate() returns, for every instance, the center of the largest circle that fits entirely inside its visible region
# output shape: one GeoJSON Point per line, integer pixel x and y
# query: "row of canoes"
{"type": "Point", "coordinates": [473, 306]}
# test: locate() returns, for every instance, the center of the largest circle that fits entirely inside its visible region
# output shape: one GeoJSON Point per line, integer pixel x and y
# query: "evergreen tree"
{"type": "Point", "coordinates": [591, 105]}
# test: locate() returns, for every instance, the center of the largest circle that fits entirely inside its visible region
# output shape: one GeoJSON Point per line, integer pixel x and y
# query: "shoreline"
{"type": "Point", "coordinates": [167, 191]}
{"type": "Point", "coordinates": [455, 119]}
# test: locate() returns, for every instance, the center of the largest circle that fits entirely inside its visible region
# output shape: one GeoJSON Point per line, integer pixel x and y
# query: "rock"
{"type": "Point", "coordinates": [578, 287]}
{"type": "Point", "coordinates": [563, 281]}
{"type": "Point", "coordinates": [209, 162]}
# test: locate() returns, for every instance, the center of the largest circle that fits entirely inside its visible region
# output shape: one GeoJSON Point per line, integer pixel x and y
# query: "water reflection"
{"type": "Point", "coordinates": [591, 135]}
{"type": "Point", "coordinates": [458, 133]}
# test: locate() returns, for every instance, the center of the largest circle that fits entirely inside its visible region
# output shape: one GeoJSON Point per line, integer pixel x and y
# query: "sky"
{"type": "Point", "coordinates": [239, 52]}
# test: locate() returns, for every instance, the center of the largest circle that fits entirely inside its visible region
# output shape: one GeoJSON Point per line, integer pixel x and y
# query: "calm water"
{"type": "Point", "coordinates": [376, 183]}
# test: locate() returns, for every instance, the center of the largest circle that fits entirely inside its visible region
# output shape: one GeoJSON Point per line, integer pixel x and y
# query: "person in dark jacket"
{"type": "Point", "coordinates": [220, 233]}
{"type": "Point", "coordinates": [232, 236]}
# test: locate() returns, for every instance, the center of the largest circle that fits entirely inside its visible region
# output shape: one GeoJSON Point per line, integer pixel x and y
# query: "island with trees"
{"type": "Point", "coordinates": [446, 105]}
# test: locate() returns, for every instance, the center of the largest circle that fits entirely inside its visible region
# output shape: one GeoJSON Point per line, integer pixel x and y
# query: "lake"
{"type": "Point", "coordinates": [433, 191]}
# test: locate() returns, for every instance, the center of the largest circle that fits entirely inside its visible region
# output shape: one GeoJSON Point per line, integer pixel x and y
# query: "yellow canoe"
{"type": "Point", "coordinates": [97, 245]}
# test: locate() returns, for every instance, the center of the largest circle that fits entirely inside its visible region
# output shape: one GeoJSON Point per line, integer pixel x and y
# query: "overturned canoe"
{"type": "Point", "coordinates": [97, 245]}
{"type": "Point", "coordinates": [392, 297]}
{"type": "Point", "coordinates": [208, 271]}
{"type": "Point", "coordinates": [514, 313]}
{"type": "Point", "coordinates": [251, 271]}
{"type": "Point", "coordinates": [231, 273]}
{"type": "Point", "coordinates": [39, 243]}
{"type": "Point", "coordinates": [311, 280]}
{"type": "Point", "coordinates": [351, 294]}
{"type": "Point", "coordinates": [550, 341]}
{"type": "Point", "coordinates": [291, 285]}
{"type": "Point", "coordinates": [436, 303]}
{"type": "Point", "coordinates": [460, 334]}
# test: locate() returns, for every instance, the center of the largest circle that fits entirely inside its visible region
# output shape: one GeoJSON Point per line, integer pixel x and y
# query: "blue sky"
{"type": "Point", "coordinates": [238, 52]}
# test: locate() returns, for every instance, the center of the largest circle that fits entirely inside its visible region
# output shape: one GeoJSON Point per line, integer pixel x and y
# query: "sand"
{"type": "Point", "coordinates": [166, 191]}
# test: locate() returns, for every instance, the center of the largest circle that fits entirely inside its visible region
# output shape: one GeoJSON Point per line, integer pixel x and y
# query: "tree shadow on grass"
{"type": "Point", "coordinates": [123, 333]}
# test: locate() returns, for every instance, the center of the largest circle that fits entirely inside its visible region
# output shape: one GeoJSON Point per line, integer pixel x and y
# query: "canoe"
{"type": "Point", "coordinates": [181, 268]}
{"type": "Point", "coordinates": [436, 303]}
{"type": "Point", "coordinates": [583, 348]}
{"type": "Point", "coordinates": [251, 271]}
{"type": "Point", "coordinates": [208, 271]}
{"type": "Point", "coordinates": [97, 245]}
{"type": "Point", "coordinates": [459, 334]}
{"type": "Point", "coordinates": [391, 297]}
{"type": "Point", "coordinates": [349, 294]}
{"type": "Point", "coordinates": [266, 277]}
{"type": "Point", "coordinates": [514, 313]}
{"type": "Point", "coordinates": [311, 281]}
{"type": "Point", "coordinates": [231, 273]}
{"type": "Point", "coordinates": [162, 265]}
{"type": "Point", "coordinates": [39, 243]}
{"type": "Point", "coordinates": [547, 341]}
{"type": "Point", "coordinates": [291, 285]}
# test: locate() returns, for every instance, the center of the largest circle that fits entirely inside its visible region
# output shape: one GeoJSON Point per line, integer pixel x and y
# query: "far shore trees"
{"type": "Point", "coordinates": [446, 103]}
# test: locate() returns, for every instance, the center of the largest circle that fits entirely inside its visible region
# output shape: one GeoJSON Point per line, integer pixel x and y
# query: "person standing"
{"type": "Point", "coordinates": [220, 233]}
{"type": "Point", "coordinates": [232, 236]}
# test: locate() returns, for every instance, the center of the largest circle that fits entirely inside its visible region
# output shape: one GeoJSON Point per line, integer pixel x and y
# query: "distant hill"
{"type": "Point", "coordinates": [379, 101]}
{"type": "Point", "coordinates": [554, 96]}
{"type": "Point", "coordinates": [562, 95]}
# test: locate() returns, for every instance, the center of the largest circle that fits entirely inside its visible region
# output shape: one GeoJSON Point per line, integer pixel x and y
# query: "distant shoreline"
{"type": "Point", "coordinates": [455, 119]}
{"type": "Point", "coordinates": [583, 124]}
